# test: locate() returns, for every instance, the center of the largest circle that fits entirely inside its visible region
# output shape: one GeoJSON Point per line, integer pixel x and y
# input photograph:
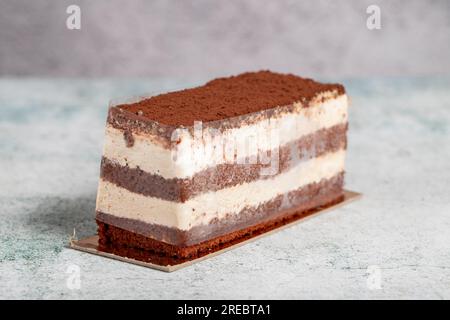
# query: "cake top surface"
{"type": "Point", "coordinates": [229, 97]}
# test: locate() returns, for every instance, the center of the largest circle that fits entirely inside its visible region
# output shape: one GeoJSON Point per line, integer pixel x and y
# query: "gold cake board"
{"type": "Point", "coordinates": [90, 244]}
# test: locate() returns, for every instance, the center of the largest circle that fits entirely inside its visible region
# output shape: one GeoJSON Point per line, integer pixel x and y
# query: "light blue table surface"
{"type": "Point", "coordinates": [51, 134]}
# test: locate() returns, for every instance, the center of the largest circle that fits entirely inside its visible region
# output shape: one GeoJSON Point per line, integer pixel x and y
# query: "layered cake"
{"type": "Point", "coordinates": [192, 171]}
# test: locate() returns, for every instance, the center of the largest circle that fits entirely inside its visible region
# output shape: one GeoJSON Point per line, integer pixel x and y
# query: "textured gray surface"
{"type": "Point", "coordinates": [181, 38]}
{"type": "Point", "coordinates": [50, 144]}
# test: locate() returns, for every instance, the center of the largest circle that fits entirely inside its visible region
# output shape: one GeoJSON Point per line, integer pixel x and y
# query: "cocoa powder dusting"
{"type": "Point", "coordinates": [229, 97]}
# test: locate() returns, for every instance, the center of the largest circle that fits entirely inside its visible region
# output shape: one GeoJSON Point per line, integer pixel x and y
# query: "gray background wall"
{"type": "Point", "coordinates": [202, 38]}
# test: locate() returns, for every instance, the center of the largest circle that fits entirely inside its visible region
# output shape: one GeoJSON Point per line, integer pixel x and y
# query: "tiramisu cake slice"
{"type": "Point", "coordinates": [189, 172]}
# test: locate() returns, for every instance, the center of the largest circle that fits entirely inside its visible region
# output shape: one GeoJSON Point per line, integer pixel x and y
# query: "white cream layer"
{"type": "Point", "coordinates": [154, 158]}
{"type": "Point", "coordinates": [203, 208]}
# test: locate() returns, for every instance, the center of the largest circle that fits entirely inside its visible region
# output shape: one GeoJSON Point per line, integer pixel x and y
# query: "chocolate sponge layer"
{"type": "Point", "coordinates": [305, 198]}
{"type": "Point", "coordinates": [121, 240]}
{"type": "Point", "coordinates": [223, 175]}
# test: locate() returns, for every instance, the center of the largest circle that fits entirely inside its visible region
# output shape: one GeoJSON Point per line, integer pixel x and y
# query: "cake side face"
{"type": "Point", "coordinates": [170, 183]}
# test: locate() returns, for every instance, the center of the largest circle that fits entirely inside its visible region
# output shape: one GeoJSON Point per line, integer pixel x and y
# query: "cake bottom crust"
{"type": "Point", "coordinates": [128, 244]}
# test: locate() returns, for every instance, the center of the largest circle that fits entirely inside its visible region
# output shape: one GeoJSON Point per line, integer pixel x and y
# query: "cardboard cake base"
{"type": "Point", "coordinates": [90, 244]}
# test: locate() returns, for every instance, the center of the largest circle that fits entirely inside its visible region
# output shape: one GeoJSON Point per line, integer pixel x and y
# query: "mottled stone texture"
{"type": "Point", "coordinates": [199, 37]}
{"type": "Point", "coordinates": [51, 133]}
